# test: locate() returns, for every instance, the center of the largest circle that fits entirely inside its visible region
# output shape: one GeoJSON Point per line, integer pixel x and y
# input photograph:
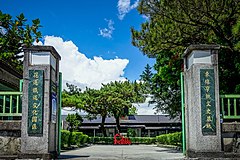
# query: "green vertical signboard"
{"type": "Point", "coordinates": [35, 102]}
{"type": "Point", "coordinates": [208, 104]}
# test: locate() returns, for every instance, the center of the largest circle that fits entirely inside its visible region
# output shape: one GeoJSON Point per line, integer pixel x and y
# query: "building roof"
{"type": "Point", "coordinates": [133, 119]}
{"type": "Point", "coordinates": [9, 77]}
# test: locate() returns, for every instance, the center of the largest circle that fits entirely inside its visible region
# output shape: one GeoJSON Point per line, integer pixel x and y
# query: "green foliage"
{"type": "Point", "coordinates": [111, 99]}
{"type": "Point", "coordinates": [64, 138]}
{"type": "Point", "coordinates": [77, 138]}
{"type": "Point", "coordinates": [170, 139]}
{"type": "Point", "coordinates": [121, 95]}
{"type": "Point", "coordinates": [134, 140]}
{"type": "Point", "coordinates": [146, 78]}
{"type": "Point", "coordinates": [173, 26]}
{"type": "Point", "coordinates": [236, 33]}
{"type": "Point", "coordinates": [74, 121]}
{"type": "Point", "coordinates": [18, 34]}
{"type": "Point", "coordinates": [101, 140]}
{"type": "Point", "coordinates": [73, 90]}
{"type": "Point", "coordinates": [131, 132]}
{"type": "Point", "coordinates": [132, 111]}
{"type": "Point", "coordinates": [143, 140]}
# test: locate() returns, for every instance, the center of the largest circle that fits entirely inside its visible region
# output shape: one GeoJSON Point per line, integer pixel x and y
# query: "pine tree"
{"type": "Point", "coordinates": [146, 78]}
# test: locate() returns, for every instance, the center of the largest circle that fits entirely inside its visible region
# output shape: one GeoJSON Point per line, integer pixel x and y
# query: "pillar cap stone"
{"type": "Point", "coordinates": [44, 48]}
{"type": "Point", "coordinates": [200, 47]}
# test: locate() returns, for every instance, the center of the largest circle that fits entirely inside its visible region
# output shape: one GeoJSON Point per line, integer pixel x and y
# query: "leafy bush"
{"type": "Point", "coordinates": [64, 138]}
{"type": "Point", "coordinates": [131, 132]}
{"type": "Point", "coordinates": [85, 139]}
{"type": "Point", "coordinates": [170, 139]}
{"type": "Point", "coordinates": [134, 140]}
{"type": "Point", "coordinates": [77, 138]}
{"type": "Point", "coordinates": [142, 140]}
{"type": "Point", "coordinates": [102, 140]}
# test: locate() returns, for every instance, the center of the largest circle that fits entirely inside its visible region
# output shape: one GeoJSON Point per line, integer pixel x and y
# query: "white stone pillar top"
{"type": "Point", "coordinates": [44, 49]}
{"type": "Point", "coordinates": [200, 47]}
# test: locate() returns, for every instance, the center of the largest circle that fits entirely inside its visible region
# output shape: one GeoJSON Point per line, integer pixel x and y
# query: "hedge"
{"type": "Point", "coordinates": [101, 140]}
{"type": "Point", "coordinates": [143, 140]}
{"type": "Point", "coordinates": [77, 138]}
{"type": "Point", "coordinates": [64, 138]}
{"type": "Point", "coordinates": [134, 140]}
{"type": "Point", "coordinates": [170, 139]}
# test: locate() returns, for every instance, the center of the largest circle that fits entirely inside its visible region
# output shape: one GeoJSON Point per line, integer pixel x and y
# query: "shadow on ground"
{"type": "Point", "coordinates": [169, 151]}
{"type": "Point", "coordinates": [72, 156]}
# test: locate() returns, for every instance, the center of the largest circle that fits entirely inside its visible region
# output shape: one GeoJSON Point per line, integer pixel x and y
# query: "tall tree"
{"type": "Point", "coordinates": [173, 26]}
{"type": "Point", "coordinates": [74, 121]}
{"type": "Point", "coordinates": [111, 100]}
{"type": "Point", "coordinates": [121, 95]}
{"type": "Point", "coordinates": [91, 100]}
{"type": "Point", "coordinates": [14, 35]}
{"type": "Point", "coordinates": [146, 77]}
{"type": "Point", "coordinates": [96, 104]}
{"type": "Point", "coordinates": [133, 110]}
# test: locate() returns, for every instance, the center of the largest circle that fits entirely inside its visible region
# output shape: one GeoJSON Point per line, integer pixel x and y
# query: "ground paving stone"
{"type": "Point", "coordinates": [123, 152]}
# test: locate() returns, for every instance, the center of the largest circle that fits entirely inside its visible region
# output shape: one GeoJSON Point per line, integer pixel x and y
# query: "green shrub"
{"type": "Point", "coordinates": [142, 140]}
{"type": "Point", "coordinates": [73, 138]}
{"type": "Point", "coordinates": [101, 140]}
{"type": "Point", "coordinates": [85, 139]}
{"type": "Point", "coordinates": [64, 138]}
{"type": "Point", "coordinates": [134, 140]}
{"type": "Point", "coordinates": [170, 139]}
{"type": "Point", "coordinates": [76, 138]}
{"type": "Point", "coordinates": [131, 132]}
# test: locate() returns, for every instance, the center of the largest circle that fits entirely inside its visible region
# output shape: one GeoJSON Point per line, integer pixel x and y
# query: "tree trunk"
{"type": "Point", "coordinates": [102, 126]}
{"type": "Point", "coordinates": [70, 137]}
{"type": "Point", "coordinates": [118, 124]}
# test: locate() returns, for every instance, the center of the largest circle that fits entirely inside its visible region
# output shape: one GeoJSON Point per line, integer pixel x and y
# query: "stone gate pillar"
{"type": "Point", "coordinates": [202, 112]}
{"type": "Point", "coordinates": [39, 130]}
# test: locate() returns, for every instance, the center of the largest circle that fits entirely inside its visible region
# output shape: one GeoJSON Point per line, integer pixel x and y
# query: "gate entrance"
{"type": "Point", "coordinates": [211, 120]}
{"type": "Point", "coordinates": [36, 108]}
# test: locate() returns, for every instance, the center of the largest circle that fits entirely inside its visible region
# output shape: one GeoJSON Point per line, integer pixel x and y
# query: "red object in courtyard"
{"type": "Point", "coordinates": [118, 139]}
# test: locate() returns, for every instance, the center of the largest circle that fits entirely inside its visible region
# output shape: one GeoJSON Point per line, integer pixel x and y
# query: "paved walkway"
{"type": "Point", "coordinates": [122, 152]}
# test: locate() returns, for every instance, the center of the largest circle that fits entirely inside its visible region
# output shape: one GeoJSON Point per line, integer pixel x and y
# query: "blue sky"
{"type": "Point", "coordinates": [88, 29]}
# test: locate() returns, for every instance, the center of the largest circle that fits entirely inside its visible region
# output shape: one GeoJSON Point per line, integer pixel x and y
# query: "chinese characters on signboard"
{"type": "Point", "coordinates": [208, 108]}
{"type": "Point", "coordinates": [35, 102]}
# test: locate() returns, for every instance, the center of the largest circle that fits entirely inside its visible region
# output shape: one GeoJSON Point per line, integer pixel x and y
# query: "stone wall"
{"type": "Point", "coordinates": [10, 137]}
{"type": "Point", "coordinates": [231, 137]}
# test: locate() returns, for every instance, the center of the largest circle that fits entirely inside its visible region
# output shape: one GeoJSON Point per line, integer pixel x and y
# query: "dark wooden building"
{"type": "Point", "coordinates": [9, 77]}
{"type": "Point", "coordinates": [143, 125]}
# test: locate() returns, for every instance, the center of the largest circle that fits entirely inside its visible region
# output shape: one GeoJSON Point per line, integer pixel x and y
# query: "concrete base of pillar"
{"type": "Point", "coordinates": [8, 157]}
{"type": "Point", "coordinates": [41, 156]}
{"type": "Point", "coordinates": [194, 154]}
{"type": "Point", "coordinates": [212, 155]}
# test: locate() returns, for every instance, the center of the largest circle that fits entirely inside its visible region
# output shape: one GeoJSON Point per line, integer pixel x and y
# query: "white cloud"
{"type": "Point", "coordinates": [39, 43]}
{"type": "Point", "coordinates": [107, 32]}
{"type": "Point", "coordinates": [82, 71]}
{"type": "Point", "coordinates": [124, 6]}
{"type": "Point", "coordinates": [146, 17]}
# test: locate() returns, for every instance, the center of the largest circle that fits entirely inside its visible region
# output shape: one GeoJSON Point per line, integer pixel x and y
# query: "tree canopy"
{"type": "Point", "coordinates": [120, 98]}
{"type": "Point", "coordinates": [146, 78]}
{"type": "Point", "coordinates": [174, 25]}
{"type": "Point", "coordinates": [112, 99]}
{"type": "Point", "coordinates": [74, 121]}
{"type": "Point", "coordinates": [14, 35]}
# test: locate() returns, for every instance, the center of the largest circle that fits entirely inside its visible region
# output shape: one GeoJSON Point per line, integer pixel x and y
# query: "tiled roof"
{"type": "Point", "coordinates": [134, 119]}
